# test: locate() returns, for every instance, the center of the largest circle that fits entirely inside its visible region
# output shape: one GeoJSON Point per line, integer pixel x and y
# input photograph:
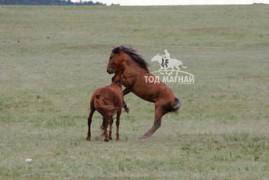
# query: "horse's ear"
{"type": "Point", "coordinates": [117, 50]}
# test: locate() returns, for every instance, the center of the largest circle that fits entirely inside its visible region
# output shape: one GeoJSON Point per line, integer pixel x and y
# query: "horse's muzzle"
{"type": "Point", "coordinates": [110, 71]}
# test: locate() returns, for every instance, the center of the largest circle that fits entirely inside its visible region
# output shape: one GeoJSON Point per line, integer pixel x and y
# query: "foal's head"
{"type": "Point", "coordinates": [116, 80]}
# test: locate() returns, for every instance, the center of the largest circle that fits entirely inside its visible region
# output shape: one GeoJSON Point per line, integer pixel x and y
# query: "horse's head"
{"type": "Point", "coordinates": [122, 57]}
{"type": "Point", "coordinates": [156, 58]}
{"type": "Point", "coordinates": [115, 61]}
{"type": "Point", "coordinates": [112, 62]}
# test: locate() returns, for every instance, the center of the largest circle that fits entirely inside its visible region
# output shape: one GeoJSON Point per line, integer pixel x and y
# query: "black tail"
{"type": "Point", "coordinates": [176, 106]}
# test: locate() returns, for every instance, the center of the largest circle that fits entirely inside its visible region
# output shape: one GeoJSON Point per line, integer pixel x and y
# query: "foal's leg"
{"type": "Point", "coordinates": [106, 123]}
{"type": "Point", "coordinates": [89, 124]}
{"type": "Point", "coordinates": [118, 124]}
{"type": "Point", "coordinates": [103, 123]}
{"type": "Point", "coordinates": [157, 122]}
{"type": "Point", "coordinates": [110, 127]}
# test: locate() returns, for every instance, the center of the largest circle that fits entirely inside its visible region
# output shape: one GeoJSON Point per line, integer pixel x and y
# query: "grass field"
{"type": "Point", "coordinates": [53, 58]}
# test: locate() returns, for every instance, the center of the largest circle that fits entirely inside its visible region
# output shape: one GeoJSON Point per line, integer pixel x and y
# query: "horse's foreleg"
{"type": "Point", "coordinates": [126, 91]}
{"type": "Point", "coordinates": [161, 70]}
{"type": "Point", "coordinates": [125, 107]}
{"type": "Point", "coordinates": [157, 123]}
{"type": "Point", "coordinates": [89, 124]}
{"type": "Point", "coordinates": [118, 125]}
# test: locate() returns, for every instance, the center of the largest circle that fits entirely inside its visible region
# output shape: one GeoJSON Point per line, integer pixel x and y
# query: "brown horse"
{"type": "Point", "coordinates": [108, 100]}
{"type": "Point", "coordinates": [134, 77]}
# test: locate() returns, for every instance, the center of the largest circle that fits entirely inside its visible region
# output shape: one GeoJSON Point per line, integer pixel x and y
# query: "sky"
{"type": "Point", "coordinates": [176, 2]}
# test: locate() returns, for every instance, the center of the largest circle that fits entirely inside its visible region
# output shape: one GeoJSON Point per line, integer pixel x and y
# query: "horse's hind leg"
{"type": "Point", "coordinates": [110, 127]}
{"type": "Point", "coordinates": [118, 125]}
{"type": "Point", "coordinates": [157, 123]}
{"type": "Point", "coordinates": [89, 124]}
{"type": "Point", "coordinates": [106, 123]}
{"type": "Point", "coordinates": [103, 123]}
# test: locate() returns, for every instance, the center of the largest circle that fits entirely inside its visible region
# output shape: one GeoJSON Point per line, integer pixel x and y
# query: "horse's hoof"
{"type": "Point", "coordinates": [88, 138]}
{"type": "Point", "coordinates": [106, 140]}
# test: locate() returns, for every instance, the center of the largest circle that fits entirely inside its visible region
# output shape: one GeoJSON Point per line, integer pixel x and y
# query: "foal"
{"type": "Point", "coordinates": [108, 100]}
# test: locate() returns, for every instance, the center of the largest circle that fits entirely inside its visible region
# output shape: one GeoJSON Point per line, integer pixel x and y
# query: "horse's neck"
{"type": "Point", "coordinates": [132, 67]}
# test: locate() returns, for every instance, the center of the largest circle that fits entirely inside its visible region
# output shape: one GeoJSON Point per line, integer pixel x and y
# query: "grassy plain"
{"type": "Point", "coordinates": [53, 58]}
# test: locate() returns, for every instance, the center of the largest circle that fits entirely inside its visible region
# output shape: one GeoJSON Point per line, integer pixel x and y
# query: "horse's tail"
{"type": "Point", "coordinates": [176, 106]}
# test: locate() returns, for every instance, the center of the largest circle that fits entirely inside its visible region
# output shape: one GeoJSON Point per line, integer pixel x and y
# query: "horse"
{"type": "Point", "coordinates": [108, 100]}
{"type": "Point", "coordinates": [168, 63]}
{"type": "Point", "coordinates": [134, 69]}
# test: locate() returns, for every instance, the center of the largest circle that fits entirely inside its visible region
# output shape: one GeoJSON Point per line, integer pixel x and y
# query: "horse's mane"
{"type": "Point", "coordinates": [133, 54]}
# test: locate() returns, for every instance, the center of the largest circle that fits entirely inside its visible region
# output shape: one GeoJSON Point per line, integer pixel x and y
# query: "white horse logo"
{"type": "Point", "coordinates": [167, 64]}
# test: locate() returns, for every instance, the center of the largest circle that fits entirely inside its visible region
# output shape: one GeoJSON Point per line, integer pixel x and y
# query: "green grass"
{"type": "Point", "coordinates": [53, 58]}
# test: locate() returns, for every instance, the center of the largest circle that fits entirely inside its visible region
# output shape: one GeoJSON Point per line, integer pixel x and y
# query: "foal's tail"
{"type": "Point", "coordinates": [100, 103]}
{"type": "Point", "coordinates": [176, 106]}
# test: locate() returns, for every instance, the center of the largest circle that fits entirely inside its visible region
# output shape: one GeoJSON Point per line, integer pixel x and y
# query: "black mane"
{"type": "Point", "coordinates": [133, 54]}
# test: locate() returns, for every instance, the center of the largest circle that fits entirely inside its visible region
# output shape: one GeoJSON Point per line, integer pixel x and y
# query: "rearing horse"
{"type": "Point", "coordinates": [134, 70]}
